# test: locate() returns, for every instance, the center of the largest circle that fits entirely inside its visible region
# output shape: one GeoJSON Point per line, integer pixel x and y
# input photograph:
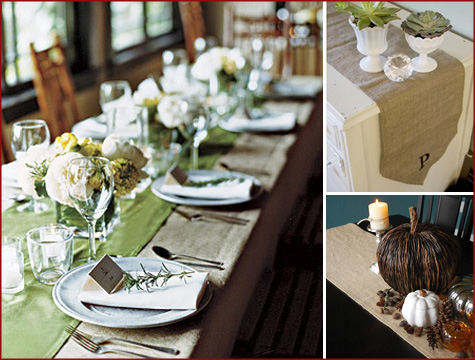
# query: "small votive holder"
{"type": "Point", "coordinates": [50, 248]}
{"type": "Point", "coordinates": [398, 67]}
{"type": "Point", "coordinates": [13, 279]}
{"type": "Point", "coordinates": [379, 227]}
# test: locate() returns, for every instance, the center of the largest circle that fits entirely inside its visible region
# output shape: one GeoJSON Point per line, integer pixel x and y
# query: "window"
{"type": "Point", "coordinates": [132, 32]}
{"type": "Point", "coordinates": [25, 22]}
{"type": "Point", "coordinates": [135, 23]}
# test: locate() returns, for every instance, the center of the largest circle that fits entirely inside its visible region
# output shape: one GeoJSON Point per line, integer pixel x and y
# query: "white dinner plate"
{"type": "Point", "coordinates": [66, 292]}
{"type": "Point", "coordinates": [203, 175]}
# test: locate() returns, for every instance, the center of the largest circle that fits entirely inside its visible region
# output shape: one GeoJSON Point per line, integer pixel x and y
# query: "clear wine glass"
{"type": "Point", "coordinates": [90, 184]}
{"type": "Point", "coordinates": [25, 134]}
{"type": "Point", "coordinates": [195, 125]}
{"type": "Point", "coordinates": [116, 102]}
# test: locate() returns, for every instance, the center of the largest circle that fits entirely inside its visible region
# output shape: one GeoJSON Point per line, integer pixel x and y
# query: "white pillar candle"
{"type": "Point", "coordinates": [378, 215]}
{"type": "Point", "coordinates": [11, 269]}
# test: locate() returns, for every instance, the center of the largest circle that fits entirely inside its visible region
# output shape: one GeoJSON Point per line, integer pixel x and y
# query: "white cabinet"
{"type": "Point", "coordinates": [353, 135]}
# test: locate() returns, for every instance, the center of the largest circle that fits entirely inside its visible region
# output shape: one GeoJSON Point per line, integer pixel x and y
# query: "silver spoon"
{"type": "Point", "coordinates": [166, 254]}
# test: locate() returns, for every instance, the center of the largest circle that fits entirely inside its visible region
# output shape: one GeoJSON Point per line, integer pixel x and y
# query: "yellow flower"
{"type": "Point", "coordinates": [229, 65]}
{"type": "Point", "coordinates": [67, 143]}
{"type": "Point", "coordinates": [91, 149]}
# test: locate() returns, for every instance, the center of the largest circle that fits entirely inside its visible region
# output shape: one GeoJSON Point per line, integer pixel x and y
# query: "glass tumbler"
{"type": "Point", "coordinates": [12, 265]}
{"type": "Point", "coordinates": [51, 251]}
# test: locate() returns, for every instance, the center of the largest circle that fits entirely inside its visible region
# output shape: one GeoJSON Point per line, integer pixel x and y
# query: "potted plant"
{"type": "Point", "coordinates": [370, 23]}
{"type": "Point", "coordinates": [424, 32]}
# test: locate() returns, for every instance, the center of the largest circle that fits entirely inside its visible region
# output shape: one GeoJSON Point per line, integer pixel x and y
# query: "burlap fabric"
{"type": "Point", "coordinates": [350, 252]}
{"type": "Point", "coordinates": [419, 116]}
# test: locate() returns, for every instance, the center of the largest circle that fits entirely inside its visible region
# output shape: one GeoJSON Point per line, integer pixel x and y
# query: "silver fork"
{"type": "Point", "coordinates": [103, 339]}
{"type": "Point", "coordinates": [197, 217]}
{"type": "Point", "coordinates": [99, 349]}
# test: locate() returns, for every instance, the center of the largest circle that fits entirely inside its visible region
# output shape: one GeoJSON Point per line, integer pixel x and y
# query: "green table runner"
{"type": "Point", "coordinates": [32, 325]}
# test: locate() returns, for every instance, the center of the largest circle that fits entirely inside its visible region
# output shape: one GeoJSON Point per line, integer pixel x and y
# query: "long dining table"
{"type": "Point", "coordinates": [289, 158]}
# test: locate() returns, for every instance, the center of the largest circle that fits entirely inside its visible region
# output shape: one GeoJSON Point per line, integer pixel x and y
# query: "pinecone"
{"type": "Point", "coordinates": [418, 331]}
{"type": "Point", "coordinates": [432, 337]}
{"type": "Point", "coordinates": [445, 313]}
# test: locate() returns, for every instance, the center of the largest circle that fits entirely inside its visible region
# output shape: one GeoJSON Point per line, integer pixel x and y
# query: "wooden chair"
{"type": "Point", "coordinates": [7, 153]}
{"type": "Point", "coordinates": [191, 14]}
{"type": "Point", "coordinates": [452, 213]}
{"type": "Point", "coordinates": [240, 30]}
{"type": "Point", "coordinates": [54, 88]}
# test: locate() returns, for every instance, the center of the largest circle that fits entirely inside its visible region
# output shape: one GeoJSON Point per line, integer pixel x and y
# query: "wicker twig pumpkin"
{"type": "Point", "coordinates": [418, 256]}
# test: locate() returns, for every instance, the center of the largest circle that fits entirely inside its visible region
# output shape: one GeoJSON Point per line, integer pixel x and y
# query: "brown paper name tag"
{"type": "Point", "coordinates": [107, 274]}
{"type": "Point", "coordinates": [175, 175]}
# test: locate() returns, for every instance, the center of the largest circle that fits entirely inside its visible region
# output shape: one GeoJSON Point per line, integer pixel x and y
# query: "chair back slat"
{"type": "Point", "coordinates": [54, 88]}
{"type": "Point", "coordinates": [453, 213]}
{"type": "Point", "coordinates": [240, 30]}
{"type": "Point", "coordinates": [191, 14]}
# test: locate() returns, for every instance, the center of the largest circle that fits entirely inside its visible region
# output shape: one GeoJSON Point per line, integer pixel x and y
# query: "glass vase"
{"type": "Point", "coordinates": [69, 216]}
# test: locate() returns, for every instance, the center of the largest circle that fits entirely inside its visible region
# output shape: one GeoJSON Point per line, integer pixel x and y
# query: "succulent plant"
{"type": "Point", "coordinates": [426, 24]}
{"type": "Point", "coordinates": [369, 14]}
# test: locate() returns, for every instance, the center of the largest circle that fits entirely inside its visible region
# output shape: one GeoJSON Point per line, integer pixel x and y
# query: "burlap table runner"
{"type": "Point", "coordinates": [350, 252]}
{"type": "Point", "coordinates": [419, 116]}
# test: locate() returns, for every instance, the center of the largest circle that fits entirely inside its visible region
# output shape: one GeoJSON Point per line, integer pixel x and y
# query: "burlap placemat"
{"type": "Point", "coordinates": [350, 252]}
{"type": "Point", "coordinates": [419, 116]}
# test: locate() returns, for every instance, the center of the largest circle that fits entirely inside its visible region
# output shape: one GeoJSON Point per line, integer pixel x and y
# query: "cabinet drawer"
{"type": "Point", "coordinates": [336, 163]}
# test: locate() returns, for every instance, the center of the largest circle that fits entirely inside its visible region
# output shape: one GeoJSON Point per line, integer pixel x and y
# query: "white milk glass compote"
{"type": "Point", "coordinates": [90, 184]}
{"type": "Point", "coordinates": [116, 102]}
{"type": "Point", "coordinates": [25, 134]}
{"type": "Point", "coordinates": [195, 124]}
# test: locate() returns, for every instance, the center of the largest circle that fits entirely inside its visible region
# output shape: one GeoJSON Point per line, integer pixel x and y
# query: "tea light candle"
{"type": "Point", "coordinates": [378, 215]}
{"type": "Point", "coordinates": [11, 269]}
{"type": "Point", "coordinates": [53, 247]}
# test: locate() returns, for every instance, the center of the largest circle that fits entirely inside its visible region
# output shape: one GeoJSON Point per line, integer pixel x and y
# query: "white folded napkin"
{"type": "Point", "coordinates": [298, 86]}
{"type": "Point", "coordinates": [271, 122]}
{"type": "Point", "coordinates": [9, 175]}
{"type": "Point", "coordinates": [236, 188]}
{"type": "Point", "coordinates": [175, 295]}
{"type": "Point", "coordinates": [91, 128]}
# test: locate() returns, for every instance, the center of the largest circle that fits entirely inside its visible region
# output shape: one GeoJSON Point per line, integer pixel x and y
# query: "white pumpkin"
{"type": "Point", "coordinates": [421, 308]}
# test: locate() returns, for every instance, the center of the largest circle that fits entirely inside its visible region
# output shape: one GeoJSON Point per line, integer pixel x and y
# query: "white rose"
{"type": "Point", "coordinates": [147, 89]}
{"type": "Point", "coordinates": [35, 155]}
{"type": "Point", "coordinates": [171, 110]}
{"type": "Point", "coordinates": [56, 178]}
{"type": "Point", "coordinates": [115, 147]}
{"type": "Point", "coordinates": [205, 66]}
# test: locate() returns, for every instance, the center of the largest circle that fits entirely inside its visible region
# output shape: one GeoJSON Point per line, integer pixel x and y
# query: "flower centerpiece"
{"type": "Point", "coordinates": [424, 32]}
{"type": "Point", "coordinates": [220, 67]}
{"type": "Point", "coordinates": [148, 95]}
{"type": "Point", "coordinates": [43, 173]}
{"type": "Point", "coordinates": [370, 23]}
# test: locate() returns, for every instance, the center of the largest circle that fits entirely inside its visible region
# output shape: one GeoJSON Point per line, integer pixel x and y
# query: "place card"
{"type": "Point", "coordinates": [176, 176]}
{"type": "Point", "coordinates": [107, 274]}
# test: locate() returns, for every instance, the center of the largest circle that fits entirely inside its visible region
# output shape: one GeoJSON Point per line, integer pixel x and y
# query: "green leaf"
{"type": "Point", "coordinates": [376, 21]}
{"type": "Point", "coordinates": [363, 23]}
{"type": "Point", "coordinates": [40, 188]}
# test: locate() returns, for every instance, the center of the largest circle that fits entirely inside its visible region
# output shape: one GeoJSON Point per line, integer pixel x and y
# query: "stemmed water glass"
{"type": "Point", "coordinates": [116, 102]}
{"type": "Point", "coordinates": [90, 184]}
{"type": "Point", "coordinates": [195, 125]}
{"type": "Point", "coordinates": [25, 134]}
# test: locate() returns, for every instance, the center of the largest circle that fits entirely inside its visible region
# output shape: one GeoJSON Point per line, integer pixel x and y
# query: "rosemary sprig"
{"type": "Point", "coordinates": [38, 170]}
{"type": "Point", "coordinates": [149, 280]}
{"type": "Point", "coordinates": [216, 181]}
